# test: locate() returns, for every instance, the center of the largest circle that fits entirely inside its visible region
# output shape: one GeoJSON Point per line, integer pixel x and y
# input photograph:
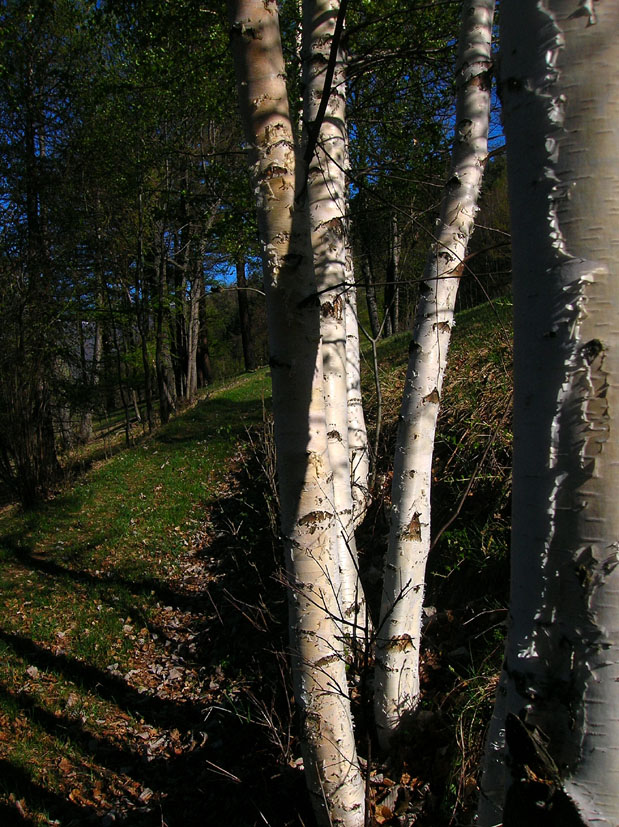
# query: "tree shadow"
{"type": "Point", "coordinates": [244, 772]}
{"type": "Point", "coordinates": [24, 554]}
{"type": "Point", "coordinates": [24, 788]}
{"type": "Point", "coordinates": [158, 711]}
{"type": "Point", "coordinates": [210, 417]}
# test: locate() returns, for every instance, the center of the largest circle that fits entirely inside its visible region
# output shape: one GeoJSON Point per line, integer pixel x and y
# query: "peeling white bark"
{"type": "Point", "coordinates": [562, 662]}
{"type": "Point", "coordinates": [303, 464]}
{"type": "Point", "coordinates": [398, 637]}
{"type": "Point", "coordinates": [327, 206]}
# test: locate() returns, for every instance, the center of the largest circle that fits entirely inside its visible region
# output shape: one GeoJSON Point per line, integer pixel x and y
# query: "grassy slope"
{"type": "Point", "coordinates": [140, 669]}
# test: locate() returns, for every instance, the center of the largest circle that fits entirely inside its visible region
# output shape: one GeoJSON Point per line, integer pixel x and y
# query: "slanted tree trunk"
{"type": "Point", "coordinates": [387, 305]}
{"type": "Point", "coordinates": [327, 208]}
{"type": "Point", "coordinates": [398, 637]}
{"type": "Point", "coordinates": [304, 473]}
{"type": "Point", "coordinates": [244, 319]}
{"type": "Point", "coordinates": [562, 655]}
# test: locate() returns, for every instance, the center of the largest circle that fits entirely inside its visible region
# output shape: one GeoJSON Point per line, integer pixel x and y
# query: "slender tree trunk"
{"type": "Point", "coordinates": [327, 207]}
{"type": "Point", "coordinates": [387, 305]}
{"type": "Point", "coordinates": [180, 301]}
{"type": "Point", "coordinates": [358, 447]}
{"type": "Point", "coordinates": [562, 656]}
{"type": "Point", "coordinates": [141, 311]}
{"type": "Point", "coordinates": [163, 359]}
{"type": "Point", "coordinates": [370, 295]}
{"type": "Point", "coordinates": [135, 401]}
{"type": "Point", "coordinates": [193, 328]}
{"type": "Point", "coordinates": [393, 274]}
{"type": "Point", "coordinates": [94, 377]}
{"type": "Point", "coordinates": [205, 369]}
{"type": "Point", "coordinates": [389, 291]}
{"type": "Point", "coordinates": [121, 387]}
{"type": "Point", "coordinates": [37, 449]}
{"type": "Point", "coordinates": [244, 318]}
{"type": "Point", "coordinates": [304, 473]}
{"type": "Point", "coordinates": [398, 639]}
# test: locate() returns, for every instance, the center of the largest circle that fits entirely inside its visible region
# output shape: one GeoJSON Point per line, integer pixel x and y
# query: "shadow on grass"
{"type": "Point", "coordinates": [24, 555]}
{"type": "Point", "coordinates": [211, 417]}
{"type": "Point", "coordinates": [240, 769]}
{"type": "Point", "coordinates": [159, 711]}
{"type": "Point", "coordinates": [24, 788]}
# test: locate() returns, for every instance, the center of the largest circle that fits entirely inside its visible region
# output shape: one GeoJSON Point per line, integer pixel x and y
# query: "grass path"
{"type": "Point", "coordinates": [115, 668]}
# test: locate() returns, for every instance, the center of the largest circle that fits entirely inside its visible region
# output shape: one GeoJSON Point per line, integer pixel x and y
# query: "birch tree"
{"type": "Point", "coordinates": [308, 521]}
{"type": "Point", "coordinates": [326, 144]}
{"type": "Point", "coordinates": [398, 636]}
{"type": "Point", "coordinates": [558, 711]}
{"type": "Point", "coordinates": [358, 447]}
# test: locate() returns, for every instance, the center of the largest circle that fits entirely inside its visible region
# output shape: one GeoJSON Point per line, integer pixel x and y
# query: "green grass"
{"type": "Point", "coordinates": [83, 579]}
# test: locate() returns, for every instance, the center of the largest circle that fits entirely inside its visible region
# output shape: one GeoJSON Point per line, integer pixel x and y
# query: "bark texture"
{"type": "Point", "coordinates": [305, 480]}
{"type": "Point", "coordinates": [326, 186]}
{"type": "Point", "coordinates": [398, 637]}
{"type": "Point", "coordinates": [562, 659]}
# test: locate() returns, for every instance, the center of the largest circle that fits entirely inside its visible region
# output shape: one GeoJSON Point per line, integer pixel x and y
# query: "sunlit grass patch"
{"type": "Point", "coordinates": [88, 582]}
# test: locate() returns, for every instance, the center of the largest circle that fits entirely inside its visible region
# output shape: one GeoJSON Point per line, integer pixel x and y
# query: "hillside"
{"type": "Point", "coordinates": [143, 676]}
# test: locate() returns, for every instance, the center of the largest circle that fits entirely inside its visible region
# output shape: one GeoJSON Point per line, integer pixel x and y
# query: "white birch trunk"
{"type": "Point", "coordinates": [327, 205]}
{"type": "Point", "coordinates": [561, 105]}
{"type": "Point", "coordinates": [398, 637]}
{"type": "Point", "coordinates": [358, 447]}
{"type": "Point", "coordinates": [306, 493]}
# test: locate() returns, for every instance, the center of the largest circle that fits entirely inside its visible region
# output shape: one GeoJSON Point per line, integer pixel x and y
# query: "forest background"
{"type": "Point", "coordinates": [130, 260]}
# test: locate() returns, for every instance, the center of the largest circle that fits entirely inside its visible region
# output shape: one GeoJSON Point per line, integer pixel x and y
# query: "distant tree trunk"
{"type": "Point", "coordinates": [370, 295]}
{"type": "Point", "coordinates": [562, 656]}
{"type": "Point", "coordinates": [182, 358]}
{"type": "Point", "coordinates": [393, 275]}
{"type": "Point", "coordinates": [398, 639]}
{"type": "Point", "coordinates": [327, 208]}
{"type": "Point", "coordinates": [196, 295]}
{"type": "Point", "coordinates": [179, 327]}
{"type": "Point", "coordinates": [141, 305]}
{"type": "Point", "coordinates": [135, 399]}
{"type": "Point", "coordinates": [35, 457]}
{"type": "Point", "coordinates": [306, 492]}
{"type": "Point", "coordinates": [84, 432]}
{"type": "Point", "coordinates": [163, 360]}
{"type": "Point", "coordinates": [119, 372]}
{"type": "Point", "coordinates": [97, 351]}
{"type": "Point", "coordinates": [387, 305]}
{"type": "Point", "coordinates": [244, 319]}
{"type": "Point", "coordinates": [203, 358]}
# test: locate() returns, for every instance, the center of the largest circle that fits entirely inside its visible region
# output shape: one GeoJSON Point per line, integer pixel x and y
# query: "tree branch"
{"type": "Point", "coordinates": [313, 128]}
